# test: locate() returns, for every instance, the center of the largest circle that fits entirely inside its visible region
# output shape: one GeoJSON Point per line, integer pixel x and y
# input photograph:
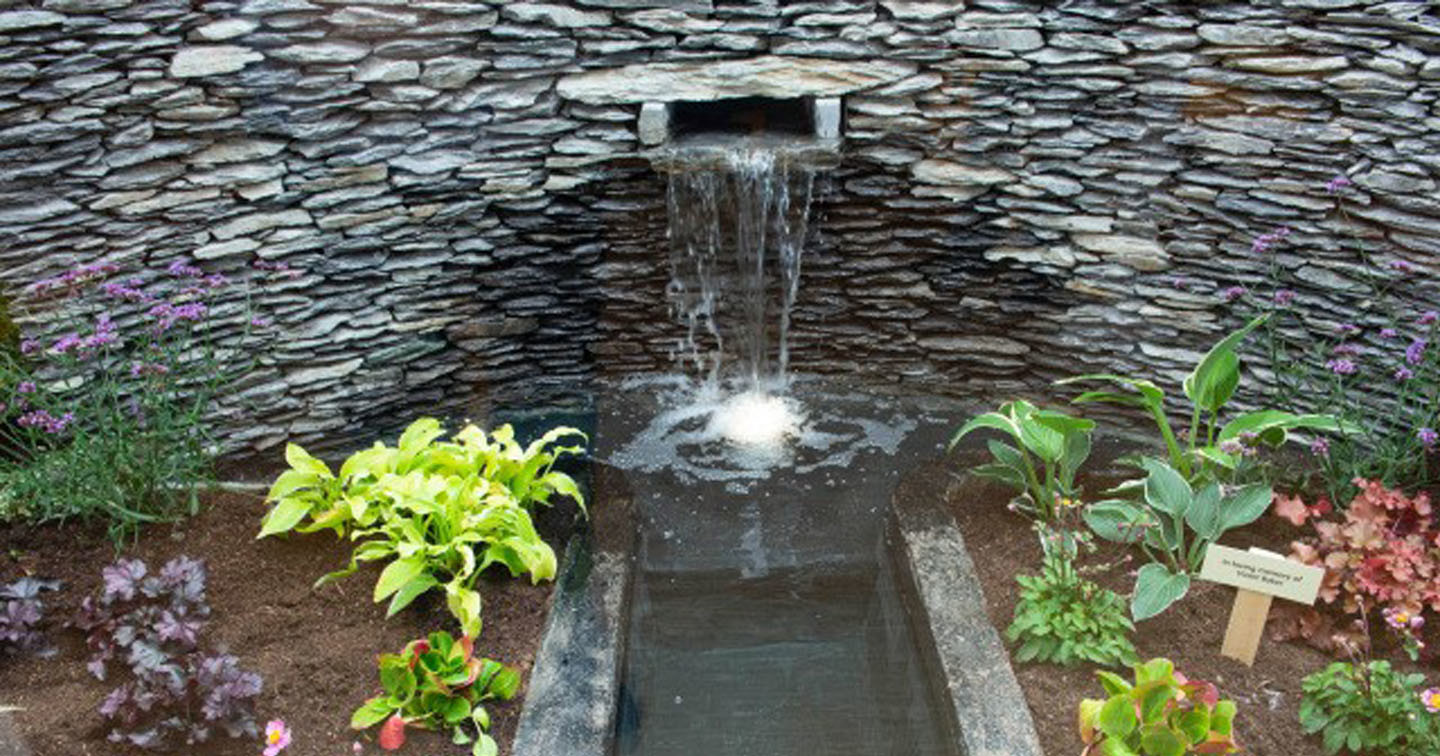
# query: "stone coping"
{"type": "Point", "coordinates": [573, 693]}
{"type": "Point", "coordinates": [943, 594]}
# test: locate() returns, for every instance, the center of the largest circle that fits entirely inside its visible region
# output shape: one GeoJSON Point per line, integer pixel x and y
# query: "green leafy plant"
{"type": "Point", "coordinates": [1210, 451]}
{"type": "Point", "coordinates": [437, 512]}
{"type": "Point", "coordinates": [1174, 525]}
{"type": "Point", "coordinates": [434, 684]}
{"type": "Point", "coordinates": [1162, 714]}
{"type": "Point", "coordinates": [1063, 618]}
{"type": "Point", "coordinates": [1366, 707]}
{"type": "Point", "coordinates": [1049, 449]}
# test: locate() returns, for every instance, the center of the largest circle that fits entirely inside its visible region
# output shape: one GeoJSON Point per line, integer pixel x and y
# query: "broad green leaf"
{"type": "Point", "coordinates": [485, 746]}
{"type": "Point", "coordinates": [991, 420]}
{"type": "Point", "coordinates": [1213, 381]}
{"type": "Point", "coordinates": [1150, 394]}
{"type": "Point", "coordinates": [285, 516]}
{"type": "Point", "coordinates": [464, 605]}
{"type": "Point", "coordinates": [1115, 520]}
{"type": "Point", "coordinates": [1160, 741]}
{"type": "Point", "coordinates": [292, 481]}
{"type": "Point", "coordinates": [1165, 489]}
{"type": "Point", "coordinates": [1113, 684]}
{"type": "Point", "coordinates": [410, 591]}
{"type": "Point", "coordinates": [301, 460]}
{"type": "Point", "coordinates": [397, 574]}
{"type": "Point", "coordinates": [1245, 506]}
{"type": "Point", "coordinates": [419, 435]}
{"type": "Point", "coordinates": [1156, 588]}
{"type": "Point", "coordinates": [1203, 515]}
{"type": "Point", "coordinates": [1117, 718]}
{"type": "Point", "coordinates": [373, 712]}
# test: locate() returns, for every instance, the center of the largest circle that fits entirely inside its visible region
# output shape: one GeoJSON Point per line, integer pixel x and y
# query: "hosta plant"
{"type": "Point", "coordinates": [1367, 707]}
{"type": "Point", "coordinates": [1174, 525]}
{"type": "Point", "coordinates": [1063, 618]}
{"type": "Point", "coordinates": [436, 512]}
{"type": "Point", "coordinates": [21, 612]}
{"type": "Point", "coordinates": [434, 684]}
{"type": "Point", "coordinates": [1048, 449]}
{"type": "Point", "coordinates": [1162, 714]}
{"type": "Point", "coordinates": [177, 692]}
{"type": "Point", "coordinates": [1209, 450]}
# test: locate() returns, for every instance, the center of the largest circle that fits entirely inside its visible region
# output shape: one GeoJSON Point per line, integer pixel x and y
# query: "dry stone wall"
{"type": "Point", "coordinates": [1028, 189]}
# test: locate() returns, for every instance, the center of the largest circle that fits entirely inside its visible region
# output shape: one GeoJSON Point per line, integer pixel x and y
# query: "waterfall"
{"type": "Point", "coordinates": [738, 212]}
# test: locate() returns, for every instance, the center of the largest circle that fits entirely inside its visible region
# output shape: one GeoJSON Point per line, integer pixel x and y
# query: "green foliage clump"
{"type": "Point", "coordinates": [434, 684]}
{"type": "Point", "coordinates": [1210, 451]}
{"type": "Point", "coordinates": [1162, 714]}
{"type": "Point", "coordinates": [1063, 618]}
{"type": "Point", "coordinates": [1174, 525]}
{"type": "Point", "coordinates": [1368, 708]}
{"type": "Point", "coordinates": [9, 332]}
{"type": "Point", "coordinates": [438, 513]}
{"type": "Point", "coordinates": [1049, 449]}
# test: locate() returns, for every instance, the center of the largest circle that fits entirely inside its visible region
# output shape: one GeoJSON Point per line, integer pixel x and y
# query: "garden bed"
{"type": "Point", "coordinates": [1189, 633]}
{"type": "Point", "coordinates": [315, 649]}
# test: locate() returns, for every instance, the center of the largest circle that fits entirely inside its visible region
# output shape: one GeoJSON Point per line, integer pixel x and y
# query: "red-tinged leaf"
{"type": "Point", "coordinates": [414, 649]}
{"type": "Point", "coordinates": [467, 644]}
{"type": "Point", "coordinates": [475, 666]}
{"type": "Point", "coordinates": [392, 733]}
{"type": "Point", "coordinates": [1291, 508]}
{"type": "Point", "coordinates": [1216, 744]}
{"type": "Point", "coordinates": [1204, 692]}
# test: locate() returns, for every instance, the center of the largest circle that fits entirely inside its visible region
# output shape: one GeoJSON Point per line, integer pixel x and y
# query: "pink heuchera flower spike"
{"type": "Point", "coordinates": [277, 737]}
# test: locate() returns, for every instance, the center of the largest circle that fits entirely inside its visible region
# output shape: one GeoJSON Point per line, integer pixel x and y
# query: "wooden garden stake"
{"type": "Point", "coordinates": [1259, 576]}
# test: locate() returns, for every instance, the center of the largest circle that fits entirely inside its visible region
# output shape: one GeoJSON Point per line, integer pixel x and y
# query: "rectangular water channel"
{"type": "Point", "coordinates": [765, 616]}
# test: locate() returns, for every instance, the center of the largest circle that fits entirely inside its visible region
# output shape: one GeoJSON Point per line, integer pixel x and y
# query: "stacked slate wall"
{"type": "Point", "coordinates": [1028, 189]}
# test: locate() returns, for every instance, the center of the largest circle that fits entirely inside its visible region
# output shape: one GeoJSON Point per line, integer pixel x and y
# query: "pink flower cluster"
{"type": "Point", "coordinates": [73, 279]}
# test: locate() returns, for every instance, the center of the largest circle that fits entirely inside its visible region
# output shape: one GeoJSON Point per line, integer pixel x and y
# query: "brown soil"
{"type": "Point", "coordinates": [1189, 633]}
{"type": "Point", "coordinates": [315, 649]}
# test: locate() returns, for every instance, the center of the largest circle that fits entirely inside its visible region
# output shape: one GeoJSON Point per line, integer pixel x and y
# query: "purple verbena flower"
{"type": "Point", "coordinates": [1320, 447]}
{"type": "Point", "coordinates": [1334, 185]}
{"type": "Point", "coordinates": [1428, 438]}
{"type": "Point", "coordinates": [1348, 348]}
{"type": "Point", "coordinates": [1284, 297]}
{"type": "Point", "coordinates": [1416, 351]}
{"type": "Point", "coordinates": [45, 421]}
{"type": "Point", "coordinates": [1388, 333]}
{"type": "Point", "coordinates": [1429, 317]}
{"type": "Point", "coordinates": [1341, 367]}
{"type": "Point", "coordinates": [1402, 266]}
{"type": "Point", "coordinates": [1403, 374]}
{"type": "Point", "coordinates": [26, 387]}
{"type": "Point", "coordinates": [1232, 446]}
{"type": "Point", "coordinates": [29, 347]}
{"type": "Point", "coordinates": [67, 343]}
{"type": "Point", "coordinates": [182, 269]}
{"type": "Point", "coordinates": [1233, 293]}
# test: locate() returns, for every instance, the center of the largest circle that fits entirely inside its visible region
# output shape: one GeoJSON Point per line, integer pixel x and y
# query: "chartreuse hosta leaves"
{"type": "Point", "coordinates": [437, 513]}
{"type": "Point", "coordinates": [1174, 524]}
{"type": "Point", "coordinates": [1049, 449]}
{"type": "Point", "coordinates": [1162, 714]}
{"type": "Point", "coordinates": [433, 684]}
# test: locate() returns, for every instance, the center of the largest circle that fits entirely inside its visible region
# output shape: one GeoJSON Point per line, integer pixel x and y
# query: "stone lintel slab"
{"type": "Point", "coordinates": [948, 607]}
{"type": "Point", "coordinates": [777, 76]}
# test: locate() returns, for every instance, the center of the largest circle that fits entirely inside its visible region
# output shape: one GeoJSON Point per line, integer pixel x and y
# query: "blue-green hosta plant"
{"type": "Point", "coordinates": [1048, 449]}
{"type": "Point", "coordinates": [1209, 450]}
{"type": "Point", "coordinates": [437, 512]}
{"type": "Point", "coordinates": [433, 684]}
{"type": "Point", "coordinates": [1162, 714]}
{"type": "Point", "coordinates": [1174, 524]}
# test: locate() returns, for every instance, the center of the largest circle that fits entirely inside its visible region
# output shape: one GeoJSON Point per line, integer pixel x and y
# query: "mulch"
{"type": "Point", "coordinates": [316, 649]}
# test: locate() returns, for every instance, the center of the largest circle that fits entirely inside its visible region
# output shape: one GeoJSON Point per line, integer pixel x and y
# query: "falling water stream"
{"type": "Point", "coordinates": [738, 212]}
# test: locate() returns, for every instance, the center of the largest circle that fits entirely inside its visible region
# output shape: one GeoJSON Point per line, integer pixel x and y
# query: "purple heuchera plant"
{"type": "Point", "coordinates": [21, 614]}
{"type": "Point", "coordinates": [178, 691]}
